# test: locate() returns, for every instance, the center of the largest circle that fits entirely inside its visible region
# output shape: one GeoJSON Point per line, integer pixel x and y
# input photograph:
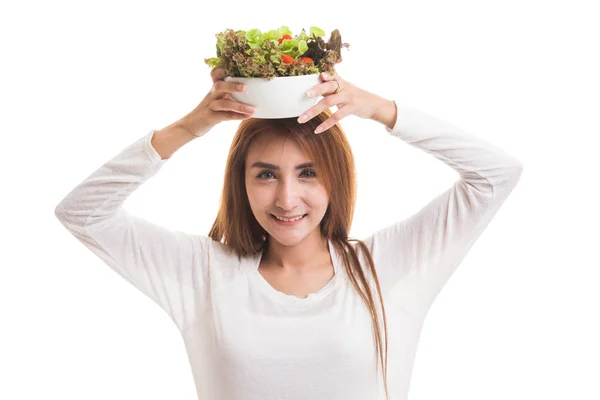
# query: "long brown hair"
{"type": "Point", "coordinates": [333, 160]}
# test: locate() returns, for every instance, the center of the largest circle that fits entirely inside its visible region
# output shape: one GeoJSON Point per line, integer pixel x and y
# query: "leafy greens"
{"type": "Point", "coordinates": [257, 54]}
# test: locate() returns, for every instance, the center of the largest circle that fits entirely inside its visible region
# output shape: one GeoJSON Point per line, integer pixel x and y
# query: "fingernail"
{"type": "Point", "coordinates": [302, 118]}
{"type": "Point", "coordinates": [319, 129]}
{"type": "Point", "coordinates": [325, 75]}
{"type": "Point", "coordinates": [310, 93]}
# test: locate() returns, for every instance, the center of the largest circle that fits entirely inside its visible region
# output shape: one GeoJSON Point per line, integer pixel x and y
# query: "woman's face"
{"type": "Point", "coordinates": [286, 189]}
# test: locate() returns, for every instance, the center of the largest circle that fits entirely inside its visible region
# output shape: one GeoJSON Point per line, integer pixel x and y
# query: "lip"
{"type": "Point", "coordinates": [288, 223]}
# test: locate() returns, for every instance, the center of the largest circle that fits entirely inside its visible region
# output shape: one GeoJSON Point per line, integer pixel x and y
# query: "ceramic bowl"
{"type": "Point", "coordinates": [280, 97]}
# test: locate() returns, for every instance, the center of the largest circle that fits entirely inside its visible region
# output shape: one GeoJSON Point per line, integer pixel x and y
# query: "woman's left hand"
{"type": "Point", "coordinates": [350, 99]}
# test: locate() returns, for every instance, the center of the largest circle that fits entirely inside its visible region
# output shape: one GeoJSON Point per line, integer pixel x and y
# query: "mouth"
{"type": "Point", "coordinates": [287, 223]}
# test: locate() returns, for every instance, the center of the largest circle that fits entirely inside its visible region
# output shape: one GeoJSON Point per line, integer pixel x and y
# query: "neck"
{"type": "Point", "coordinates": [310, 254]}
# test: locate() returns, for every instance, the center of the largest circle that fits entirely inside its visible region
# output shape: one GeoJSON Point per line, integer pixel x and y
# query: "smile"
{"type": "Point", "coordinates": [288, 221]}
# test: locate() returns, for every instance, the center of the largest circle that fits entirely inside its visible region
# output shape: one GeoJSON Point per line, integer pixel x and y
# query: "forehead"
{"type": "Point", "coordinates": [275, 148]}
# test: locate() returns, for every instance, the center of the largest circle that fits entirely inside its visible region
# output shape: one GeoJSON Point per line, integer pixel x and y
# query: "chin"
{"type": "Point", "coordinates": [288, 239]}
{"type": "Point", "coordinates": [288, 236]}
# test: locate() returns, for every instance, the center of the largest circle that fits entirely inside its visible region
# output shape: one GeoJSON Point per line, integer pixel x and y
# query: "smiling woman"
{"type": "Point", "coordinates": [288, 171]}
{"type": "Point", "coordinates": [272, 309]}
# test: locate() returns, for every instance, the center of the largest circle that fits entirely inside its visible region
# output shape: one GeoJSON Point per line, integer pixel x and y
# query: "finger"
{"type": "Point", "coordinates": [322, 88]}
{"type": "Point", "coordinates": [236, 115]}
{"type": "Point", "coordinates": [230, 105]}
{"type": "Point", "coordinates": [334, 119]}
{"type": "Point", "coordinates": [328, 77]}
{"type": "Point", "coordinates": [221, 87]}
{"type": "Point", "coordinates": [326, 102]}
{"type": "Point", "coordinates": [217, 74]}
{"type": "Point", "coordinates": [327, 85]}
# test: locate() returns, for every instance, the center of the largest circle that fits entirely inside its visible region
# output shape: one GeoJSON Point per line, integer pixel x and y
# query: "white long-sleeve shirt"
{"type": "Point", "coordinates": [247, 341]}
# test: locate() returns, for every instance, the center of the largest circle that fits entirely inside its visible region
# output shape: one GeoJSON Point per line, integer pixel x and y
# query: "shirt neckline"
{"type": "Point", "coordinates": [291, 299]}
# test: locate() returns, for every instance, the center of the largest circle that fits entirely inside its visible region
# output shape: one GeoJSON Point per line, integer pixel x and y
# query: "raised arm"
{"type": "Point", "coordinates": [167, 266]}
{"type": "Point", "coordinates": [170, 267]}
{"type": "Point", "coordinates": [415, 257]}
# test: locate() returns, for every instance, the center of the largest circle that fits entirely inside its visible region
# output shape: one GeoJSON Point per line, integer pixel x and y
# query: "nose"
{"type": "Point", "coordinates": [287, 198]}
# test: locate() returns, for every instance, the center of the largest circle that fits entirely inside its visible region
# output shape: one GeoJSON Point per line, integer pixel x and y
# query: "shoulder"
{"type": "Point", "coordinates": [220, 258]}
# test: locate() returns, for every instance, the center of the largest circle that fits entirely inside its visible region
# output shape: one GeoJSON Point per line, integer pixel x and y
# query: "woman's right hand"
{"type": "Point", "coordinates": [217, 106]}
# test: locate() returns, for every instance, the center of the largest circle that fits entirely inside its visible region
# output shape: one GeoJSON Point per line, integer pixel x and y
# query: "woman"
{"type": "Point", "coordinates": [294, 310]}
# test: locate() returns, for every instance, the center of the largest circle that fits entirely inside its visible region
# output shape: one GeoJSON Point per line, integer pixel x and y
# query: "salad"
{"type": "Point", "coordinates": [257, 54]}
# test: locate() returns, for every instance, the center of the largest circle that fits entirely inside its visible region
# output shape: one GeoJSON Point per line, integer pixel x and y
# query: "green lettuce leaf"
{"type": "Point", "coordinates": [284, 30]}
{"type": "Point", "coordinates": [316, 31]}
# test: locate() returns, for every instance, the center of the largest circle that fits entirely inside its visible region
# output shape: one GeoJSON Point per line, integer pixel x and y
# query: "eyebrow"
{"type": "Point", "coordinates": [260, 164]}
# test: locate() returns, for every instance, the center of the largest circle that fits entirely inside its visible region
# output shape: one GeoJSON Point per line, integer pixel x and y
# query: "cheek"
{"type": "Point", "coordinates": [319, 197]}
{"type": "Point", "coordinates": [258, 197]}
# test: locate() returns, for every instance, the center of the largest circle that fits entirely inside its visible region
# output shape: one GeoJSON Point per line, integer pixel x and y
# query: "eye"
{"type": "Point", "coordinates": [263, 174]}
{"type": "Point", "coordinates": [311, 171]}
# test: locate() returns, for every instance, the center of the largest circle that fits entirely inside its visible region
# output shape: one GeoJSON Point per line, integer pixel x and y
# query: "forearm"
{"type": "Point", "coordinates": [170, 139]}
{"type": "Point", "coordinates": [480, 164]}
{"type": "Point", "coordinates": [386, 113]}
{"type": "Point", "coordinates": [100, 197]}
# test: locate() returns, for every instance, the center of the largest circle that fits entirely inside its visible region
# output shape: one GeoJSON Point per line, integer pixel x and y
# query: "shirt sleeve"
{"type": "Point", "coordinates": [167, 266]}
{"type": "Point", "coordinates": [415, 257]}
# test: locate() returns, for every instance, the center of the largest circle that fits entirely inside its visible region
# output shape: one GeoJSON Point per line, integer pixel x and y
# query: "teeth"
{"type": "Point", "coordinates": [289, 220]}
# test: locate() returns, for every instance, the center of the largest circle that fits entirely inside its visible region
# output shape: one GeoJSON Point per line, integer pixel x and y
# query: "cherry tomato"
{"type": "Point", "coordinates": [286, 36]}
{"type": "Point", "coordinates": [287, 59]}
{"type": "Point", "coordinates": [306, 59]}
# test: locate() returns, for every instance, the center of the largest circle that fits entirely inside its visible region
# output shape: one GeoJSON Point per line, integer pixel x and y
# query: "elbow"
{"type": "Point", "coordinates": [60, 213]}
{"type": "Point", "coordinates": [58, 210]}
{"type": "Point", "coordinates": [509, 180]}
{"type": "Point", "coordinates": [516, 170]}
{"type": "Point", "coordinates": [61, 209]}
{"type": "Point", "coordinates": [518, 164]}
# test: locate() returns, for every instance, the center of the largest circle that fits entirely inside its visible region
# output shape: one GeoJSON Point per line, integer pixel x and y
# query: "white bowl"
{"type": "Point", "coordinates": [280, 97]}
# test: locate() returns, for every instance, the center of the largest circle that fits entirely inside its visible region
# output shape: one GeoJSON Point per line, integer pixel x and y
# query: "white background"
{"type": "Point", "coordinates": [82, 80]}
